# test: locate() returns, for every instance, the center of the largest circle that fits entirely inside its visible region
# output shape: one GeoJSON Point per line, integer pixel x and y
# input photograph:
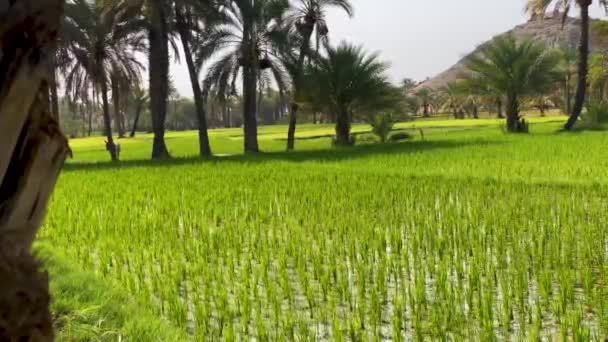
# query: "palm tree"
{"type": "Point", "coordinates": [538, 8]}
{"type": "Point", "coordinates": [188, 21]}
{"type": "Point", "coordinates": [425, 97]}
{"type": "Point", "coordinates": [513, 69]}
{"type": "Point", "coordinates": [307, 17]}
{"type": "Point", "coordinates": [349, 80]}
{"type": "Point", "coordinates": [103, 42]}
{"type": "Point", "coordinates": [139, 98]}
{"type": "Point", "coordinates": [245, 42]}
{"type": "Point", "coordinates": [32, 153]}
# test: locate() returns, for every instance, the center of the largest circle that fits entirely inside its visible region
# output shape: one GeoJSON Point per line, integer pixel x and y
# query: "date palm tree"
{"type": "Point", "coordinates": [513, 69]}
{"type": "Point", "coordinates": [244, 44]}
{"type": "Point", "coordinates": [307, 17]}
{"type": "Point", "coordinates": [154, 17]}
{"type": "Point", "coordinates": [103, 42]}
{"type": "Point", "coordinates": [191, 17]}
{"type": "Point", "coordinates": [538, 8]}
{"type": "Point", "coordinates": [349, 80]}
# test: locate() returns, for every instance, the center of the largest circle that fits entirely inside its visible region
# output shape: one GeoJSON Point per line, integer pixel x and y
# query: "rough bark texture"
{"type": "Point", "coordinates": [250, 114]}
{"type": "Point", "coordinates": [343, 128]}
{"type": "Point", "coordinates": [583, 66]}
{"type": "Point", "coordinates": [54, 96]}
{"type": "Point", "coordinates": [159, 76]}
{"type": "Point", "coordinates": [512, 113]}
{"type": "Point", "coordinates": [203, 136]}
{"type": "Point", "coordinates": [32, 152]}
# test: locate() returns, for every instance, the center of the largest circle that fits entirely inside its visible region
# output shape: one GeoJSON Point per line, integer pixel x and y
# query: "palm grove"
{"type": "Point", "coordinates": [273, 56]}
{"type": "Point", "coordinates": [270, 51]}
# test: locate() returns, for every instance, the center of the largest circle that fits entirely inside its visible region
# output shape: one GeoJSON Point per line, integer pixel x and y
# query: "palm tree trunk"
{"type": "Point", "coordinates": [291, 132]}
{"type": "Point", "coordinates": [159, 76]}
{"type": "Point", "coordinates": [32, 153]}
{"type": "Point", "coordinates": [583, 65]}
{"type": "Point", "coordinates": [250, 116]}
{"type": "Point", "coordinates": [512, 113]}
{"type": "Point", "coordinates": [116, 100]}
{"type": "Point", "coordinates": [343, 128]}
{"type": "Point", "coordinates": [138, 110]}
{"type": "Point", "coordinates": [107, 122]}
{"type": "Point", "coordinates": [203, 136]}
{"type": "Point", "coordinates": [499, 108]}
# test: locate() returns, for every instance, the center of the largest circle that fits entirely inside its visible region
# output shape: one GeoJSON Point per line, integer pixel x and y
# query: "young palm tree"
{"type": "Point", "coordinates": [349, 80]}
{"type": "Point", "coordinates": [425, 97]}
{"type": "Point", "coordinates": [32, 153]}
{"type": "Point", "coordinates": [538, 8]}
{"type": "Point", "coordinates": [103, 42]}
{"type": "Point", "coordinates": [513, 69]}
{"type": "Point", "coordinates": [245, 42]}
{"type": "Point", "coordinates": [307, 17]}
{"type": "Point", "coordinates": [139, 99]}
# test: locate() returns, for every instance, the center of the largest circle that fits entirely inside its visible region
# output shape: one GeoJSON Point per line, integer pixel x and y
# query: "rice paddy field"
{"type": "Point", "coordinates": [461, 233]}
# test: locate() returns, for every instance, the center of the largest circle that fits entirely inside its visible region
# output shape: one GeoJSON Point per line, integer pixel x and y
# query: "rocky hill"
{"type": "Point", "coordinates": [548, 30]}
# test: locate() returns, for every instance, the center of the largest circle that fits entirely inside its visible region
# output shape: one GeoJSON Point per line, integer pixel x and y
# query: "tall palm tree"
{"type": "Point", "coordinates": [102, 42]}
{"type": "Point", "coordinates": [513, 69]}
{"type": "Point", "coordinates": [308, 17]}
{"type": "Point", "coordinates": [349, 80]}
{"type": "Point", "coordinates": [538, 8]}
{"type": "Point", "coordinates": [189, 17]}
{"type": "Point", "coordinates": [245, 44]}
{"type": "Point", "coordinates": [155, 17]}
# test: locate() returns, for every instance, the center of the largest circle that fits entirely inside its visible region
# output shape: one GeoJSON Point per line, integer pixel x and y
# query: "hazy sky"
{"type": "Point", "coordinates": [418, 38]}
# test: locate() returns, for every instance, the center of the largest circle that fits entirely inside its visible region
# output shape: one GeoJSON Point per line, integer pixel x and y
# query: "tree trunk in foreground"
{"type": "Point", "coordinates": [32, 152]}
{"type": "Point", "coordinates": [159, 76]}
{"type": "Point", "coordinates": [583, 65]}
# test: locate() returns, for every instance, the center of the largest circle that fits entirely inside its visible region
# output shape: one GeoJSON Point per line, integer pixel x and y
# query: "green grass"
{"type": "Point", "coordinates": [469, 234]}
{"type": "Point", "coordinates": [87, 308]}
{"type": "Point", "coordinates": [271, 138]}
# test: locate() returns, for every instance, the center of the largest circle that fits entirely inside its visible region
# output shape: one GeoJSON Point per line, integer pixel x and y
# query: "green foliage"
{"type": "Point", "coordinates": [382, 125]}
{"type": "Point", "coordinates": [89, 309]}
{"type": "Point", "coordinates": [512, 69]}
{"type": "Point", "coordinates": [596, 115]}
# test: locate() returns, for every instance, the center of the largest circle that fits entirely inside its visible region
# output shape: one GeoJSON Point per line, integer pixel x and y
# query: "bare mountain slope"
{"type": "Point", "coordinates": [548, 31]}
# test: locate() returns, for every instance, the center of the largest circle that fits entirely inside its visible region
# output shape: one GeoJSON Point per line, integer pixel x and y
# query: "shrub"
{"type": "Point", "coordinates": [400, 136]}
{"type": "Point", "coordinates": [382, 125]}
{"type": "Point", "coordinates": [367, 139]}
{"type": "Point", "coordinates": [596, 115]}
